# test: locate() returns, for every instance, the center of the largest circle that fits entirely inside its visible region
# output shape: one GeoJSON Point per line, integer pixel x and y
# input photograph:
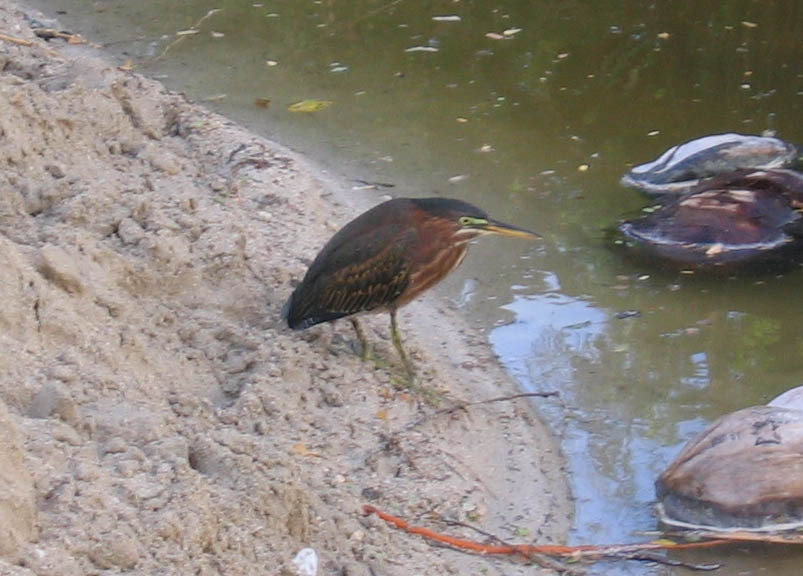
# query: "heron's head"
{"type": "Point", "coordinates": [464, 221]}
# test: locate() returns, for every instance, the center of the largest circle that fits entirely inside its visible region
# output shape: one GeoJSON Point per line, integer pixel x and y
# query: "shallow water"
{"type": "Point", "coordinates": [535, 124]}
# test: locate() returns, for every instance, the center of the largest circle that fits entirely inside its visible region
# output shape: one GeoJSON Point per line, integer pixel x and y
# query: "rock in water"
{"type": "Point", "coordinates": [745, 471]}
{"type": "Point", "coordinates": [683, 166]}
{"type": "Point", "coordinates": [733, 219]}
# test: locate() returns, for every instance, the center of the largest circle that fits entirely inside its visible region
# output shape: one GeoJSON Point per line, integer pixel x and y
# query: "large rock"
{"type": "Point", "coordinates": [746, 471]}
{"type": "Point", "coordinates": [17, 497]}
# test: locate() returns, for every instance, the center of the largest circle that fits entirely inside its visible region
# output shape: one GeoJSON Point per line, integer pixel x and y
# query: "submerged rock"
{"type": "Point", "coordinates": [734, 219]}
{"type": "Point", "coordinates": [745, 471]}
{"type": "Point", "coordinates": [683, 166]}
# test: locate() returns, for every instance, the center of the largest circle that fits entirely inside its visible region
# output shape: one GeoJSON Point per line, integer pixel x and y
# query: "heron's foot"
{"type": "Point", "coordinates": [418, 387]}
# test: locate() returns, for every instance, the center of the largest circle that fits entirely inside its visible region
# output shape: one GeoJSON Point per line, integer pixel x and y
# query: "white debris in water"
{"type": "Point", "coordinates": [421, 49]}
{"type": "Point", "coordinates": [451, 18]}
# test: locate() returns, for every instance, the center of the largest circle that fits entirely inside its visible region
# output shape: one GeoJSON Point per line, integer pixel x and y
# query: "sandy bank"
{"type": "Point", "coordinates": [156, 415]}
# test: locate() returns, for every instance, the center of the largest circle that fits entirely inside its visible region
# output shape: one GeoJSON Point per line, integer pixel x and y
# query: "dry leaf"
{"type": "Point", "coordinates": [261, 102]}
{"type": "Point", "coordinates": [302, 450]}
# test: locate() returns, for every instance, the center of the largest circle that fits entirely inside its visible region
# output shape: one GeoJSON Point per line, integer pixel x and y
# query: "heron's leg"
{"type": "Point", "coordinates": [366, 349]}
{"type": "Point", "coordinates": [394, 331]}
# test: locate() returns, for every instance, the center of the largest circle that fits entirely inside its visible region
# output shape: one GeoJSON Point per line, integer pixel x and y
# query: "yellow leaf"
{"type": "Point", "coordinates": [382, 414]}
{"type": "Point", "coordinates": [309, 106]}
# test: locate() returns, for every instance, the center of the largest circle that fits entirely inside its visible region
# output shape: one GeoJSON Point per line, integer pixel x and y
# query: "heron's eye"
{"type": "Point", "coordinates": [469, 221]}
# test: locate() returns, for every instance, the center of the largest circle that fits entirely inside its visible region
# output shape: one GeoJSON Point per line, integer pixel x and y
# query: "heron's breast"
{"type": "Point", "coordinates": [428, 273]}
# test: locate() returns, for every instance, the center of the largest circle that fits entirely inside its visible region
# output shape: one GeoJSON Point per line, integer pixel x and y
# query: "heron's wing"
{"type": "Point", "coordinates": [353, 273]}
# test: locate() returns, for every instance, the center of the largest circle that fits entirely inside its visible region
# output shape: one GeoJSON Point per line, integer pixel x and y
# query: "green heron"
{"type": "Point", "coordinates": [385, 258]}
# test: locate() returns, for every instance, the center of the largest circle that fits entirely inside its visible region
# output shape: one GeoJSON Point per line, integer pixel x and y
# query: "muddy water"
{"type": "Point", "coordinates": [533, 110]}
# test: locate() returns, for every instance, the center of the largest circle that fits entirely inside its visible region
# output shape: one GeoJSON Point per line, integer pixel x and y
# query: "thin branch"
{"type": "Point", "coordinates": [14, 40]}
{"type": "Point", "coordinates": [193, 29]}
{"type": "Point", "coordinates": [463, 405]}
{"type": "Point", "coordinates": [541, 559]}
{"type": "Point", "coordinates": [635, 551]}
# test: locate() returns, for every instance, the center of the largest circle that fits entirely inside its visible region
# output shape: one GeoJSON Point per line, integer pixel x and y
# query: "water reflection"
{"type": "Point", "coordinates": [537, 126]}
{"type": "Point", "coordinates": [562, 343]}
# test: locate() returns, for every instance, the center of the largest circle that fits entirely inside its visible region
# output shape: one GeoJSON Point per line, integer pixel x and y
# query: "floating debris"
{"type": "Point", "coordinates": [421, 49]}
{"type": "Point", "coordinates": [262, 102]}
{"type": "Point", "coordinates": [451, 18]}
{"type": "Point", "coordinates": [309, 106]}
{"type": "Point", "coordinates": [624, 314]}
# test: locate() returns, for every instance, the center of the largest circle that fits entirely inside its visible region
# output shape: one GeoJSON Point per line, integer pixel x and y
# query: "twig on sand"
{"type": "Point", "coordinates": [464, 405]}
{"type": "Point", "coordinates": [540, 559]}
{"type": "Point", "coordinates": [14, 40]}
{"type": "Point", "coordinates": [51, 33]}
{"type": "Point", "coordinates": [28, 44]}
{"type": "Point", "coordinates": [642, 551]}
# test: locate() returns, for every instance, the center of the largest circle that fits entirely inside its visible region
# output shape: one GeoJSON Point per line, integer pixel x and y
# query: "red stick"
{"type": "Point", "coordinates": [528, 550]}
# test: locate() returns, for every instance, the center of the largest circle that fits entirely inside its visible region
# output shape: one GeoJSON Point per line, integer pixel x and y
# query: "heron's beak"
{"type": "Point", "coordinates": [497, 227]}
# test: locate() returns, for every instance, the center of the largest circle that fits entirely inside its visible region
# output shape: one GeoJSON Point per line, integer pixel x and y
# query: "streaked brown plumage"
{"type": "Point", "coordinates": [386, 257]}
